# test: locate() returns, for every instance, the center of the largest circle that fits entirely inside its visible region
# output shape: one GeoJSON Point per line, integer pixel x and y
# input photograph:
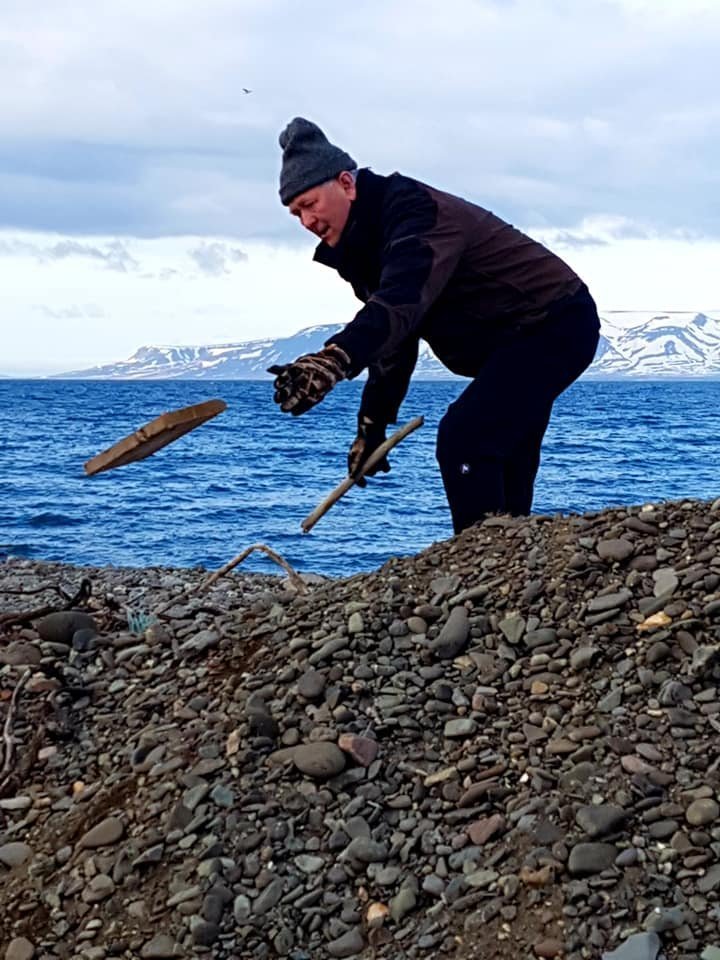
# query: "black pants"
{"type": "Point", "coordinates": [488, 443]}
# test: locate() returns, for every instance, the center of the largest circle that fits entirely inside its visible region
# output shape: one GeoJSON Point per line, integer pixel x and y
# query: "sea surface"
{"type": "Point", "coordinates": [252, 474]}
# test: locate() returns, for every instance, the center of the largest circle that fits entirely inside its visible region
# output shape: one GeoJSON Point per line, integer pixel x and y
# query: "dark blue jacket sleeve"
{"type": "Point", "coordinates": [387, 384]}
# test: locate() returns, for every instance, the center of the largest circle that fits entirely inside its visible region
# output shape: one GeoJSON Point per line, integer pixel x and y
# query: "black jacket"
{"type": "Point", "coordinates": [430, 265]}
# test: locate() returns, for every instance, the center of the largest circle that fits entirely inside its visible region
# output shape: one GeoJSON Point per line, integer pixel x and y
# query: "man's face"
{"type": "Point", "coordinates": [324, 210]}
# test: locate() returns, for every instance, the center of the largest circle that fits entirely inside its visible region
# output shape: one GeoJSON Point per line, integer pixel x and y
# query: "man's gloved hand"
{"type": "Point", "coordinates": [370, 436]}
{"type": "Point", "coordinates": [304, 382]}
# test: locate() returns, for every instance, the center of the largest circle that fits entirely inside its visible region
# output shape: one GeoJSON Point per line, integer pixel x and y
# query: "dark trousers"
{"type": "Point", "coordinates": [488, 443]}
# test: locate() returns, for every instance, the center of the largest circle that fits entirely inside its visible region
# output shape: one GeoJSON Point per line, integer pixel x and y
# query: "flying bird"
{"type": "Point", "coordinates": [245, 90]}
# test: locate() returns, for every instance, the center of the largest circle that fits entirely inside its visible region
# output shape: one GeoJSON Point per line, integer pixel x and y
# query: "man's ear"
{"type": "Point", "coordinates": [347, 182]}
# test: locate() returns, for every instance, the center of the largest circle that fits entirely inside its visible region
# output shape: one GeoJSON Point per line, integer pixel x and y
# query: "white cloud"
{"type": "Point", "coordinates": [169, 299]}
{"type": "Point", "coordinates": [113, 254]}
{"type": "Point", "coordinates": [629, 267]}
{"type": "Point", "coordinates": [73, 313]}
{"type": "Point", "coordinates": [216, 259]}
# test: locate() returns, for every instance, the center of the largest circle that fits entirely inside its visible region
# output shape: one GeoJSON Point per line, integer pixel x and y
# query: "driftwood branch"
{"type": "Point", "coordinates": [342, 488]}
{"type": "Point", "coordinates": [15, 619]}
{"type": "Point", "coordinates": [292, 574]}
{"type": "Point", "coordinates": [7, 591]}
{"type": "Point", "coordinates": [295, 578]}
{"type": "Point", "coordinates": [8, 740]}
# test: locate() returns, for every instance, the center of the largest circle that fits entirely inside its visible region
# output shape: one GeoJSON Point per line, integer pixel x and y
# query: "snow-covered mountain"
{"type": "Point", "coordinates": [248, 360]}
{"type": "Point", "coordinates": [673, 344]}
{"type": "Point", "coordinates": [632, 344]}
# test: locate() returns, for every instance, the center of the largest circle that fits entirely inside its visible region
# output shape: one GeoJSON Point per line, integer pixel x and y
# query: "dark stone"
{"type": "Point", "coordinates": [59, 627]}
{"type": "Point", "coordinates": [453, 637]}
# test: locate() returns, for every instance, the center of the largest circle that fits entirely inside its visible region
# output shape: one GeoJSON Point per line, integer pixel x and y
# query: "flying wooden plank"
{"type": "Point", "coordinates": [154, 435]}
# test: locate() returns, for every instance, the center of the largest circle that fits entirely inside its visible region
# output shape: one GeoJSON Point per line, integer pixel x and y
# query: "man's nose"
{"type": "Point", "coordinates": [308, 219]}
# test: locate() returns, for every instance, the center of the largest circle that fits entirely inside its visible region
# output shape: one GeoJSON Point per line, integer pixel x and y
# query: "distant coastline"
{"type": "Point", "coordinates": [634, 345]}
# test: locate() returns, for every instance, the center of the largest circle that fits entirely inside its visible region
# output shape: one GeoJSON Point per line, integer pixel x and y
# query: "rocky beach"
{"type": "Point", "coordinates": [504, 747]}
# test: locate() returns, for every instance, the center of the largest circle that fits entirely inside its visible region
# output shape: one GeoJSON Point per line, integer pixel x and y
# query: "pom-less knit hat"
{"type": "Point", "coordinates": [308, 159]}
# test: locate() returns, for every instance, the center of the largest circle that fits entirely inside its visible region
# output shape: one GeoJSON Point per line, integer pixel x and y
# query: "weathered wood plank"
{"type": "Point", "coordinates": [151, 437]}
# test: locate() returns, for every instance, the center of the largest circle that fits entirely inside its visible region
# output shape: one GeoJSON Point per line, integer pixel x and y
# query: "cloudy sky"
{"type": "Point", "coordinates": [138, 179]}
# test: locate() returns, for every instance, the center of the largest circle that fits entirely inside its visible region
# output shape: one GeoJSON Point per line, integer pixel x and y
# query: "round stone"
{"type": "Point", "coordinates": [350, 944]}
{"type": "Point", "coordinates": [100, 888]}
{"type": "Point", "coordinates": [107, 831]}
{"type": "Point", "coordinates": [587, 859]}
{"type": "Point", "coordinates": [204, 934]}
{"type": "Point", "coordinates": [702, 812]}
{"type": "Point", "coordinates": [615, 549]}
{"type": "Point", "coordinates": [15, 854]}
{"type": "Point", "coordinates": [581, 658]}
{"type": "Point", "coordinates": [59, 627]}
{"type": "Point", "coordinates": [19, 654]}
{"type": "Point", "coordinates": [548, 947]}
{"type": "Point", "coordinates": [462, 727]}
{"type": "Point", "coordinates": [309, 864]}
{"type": "Point", "coordinates": [627, 857]}
{"type": "Point", "coordinates": [311, 684]}
{"type": "Point", "coordinates": [161, 947]}
{"type": "Point", "coordinates": [319, 760]}
{"type": "Point", "coordinates": [662, 829]}
{"type": "Point", "coordinates": [366, 850]}
{"type": "Point", "coordinates": [20, 948]}
{"type": "Point", "coordinates": [597, 820]}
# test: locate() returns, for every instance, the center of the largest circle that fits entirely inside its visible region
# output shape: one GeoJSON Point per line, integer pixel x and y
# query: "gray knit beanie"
{"type": "Point", "coordinates": [308, 159]}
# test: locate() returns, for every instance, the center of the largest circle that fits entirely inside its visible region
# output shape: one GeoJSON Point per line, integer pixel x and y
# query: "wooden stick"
{"type": "Point", "coordinates": [295, 578]}
{"type": "Point", "coordinates": [13, 619]}
{"type": "Point", "coordinates": [7, 729]}
{"type": "Point", "coordinates": [342, 488]}
{"type": "Point", "coordinates": [292, 574]}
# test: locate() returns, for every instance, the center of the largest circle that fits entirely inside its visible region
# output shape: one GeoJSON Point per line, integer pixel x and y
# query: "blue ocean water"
{"type": "Point", "coordinates": [252, 474]}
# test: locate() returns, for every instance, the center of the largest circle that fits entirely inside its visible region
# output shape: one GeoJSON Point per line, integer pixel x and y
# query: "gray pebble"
{"type": "Point", "coordinates": [661, 919]}
{"type": "Point", "coordinates": [268, 898]}
{"type": "Point", "coordinates": [640, 946]}
{"type": "Point", "coordinates": [161, 947]}
{"type": "Point", "coordinates": [15, 854]}
{"type": "Point", "coordinates": [463, 727]}
{"type": "Point", "coordinates": [453, 637]}
{"type": "Point", "coordinates": [350, 944]}
{"type": "Point", "coordinates": [702, 812]}
{"type": "Point", "coordinates": [102, 834]}
{"type": "Point", "coordinates": [20, 948]}
{"type": "Point", "coordinates": [366, 850]}
{"type": "Point", "coordinates": [597, 820]}
{"type": "Point", "coordinates": [60, 627]}
{"type": "Point", "coordinates": [311, 684]}
{"type": "Point", "coordinates": [587, 859]}
{"type": "Point", "coordinates": [319, 760]}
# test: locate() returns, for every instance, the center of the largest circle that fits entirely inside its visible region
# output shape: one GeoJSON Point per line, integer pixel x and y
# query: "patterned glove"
{"type": "Point", "coordinates": [370, 436]}
{"type": "Point", "coordinates": [304, 382]}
